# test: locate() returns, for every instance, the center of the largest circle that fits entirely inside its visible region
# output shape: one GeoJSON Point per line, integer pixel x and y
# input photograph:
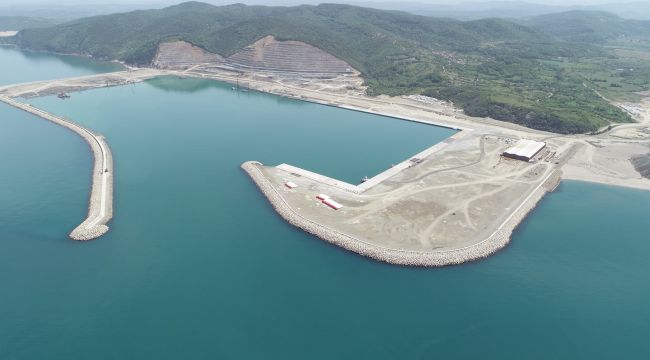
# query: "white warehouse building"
{"type": "Point", "coordinates": [525, 149]}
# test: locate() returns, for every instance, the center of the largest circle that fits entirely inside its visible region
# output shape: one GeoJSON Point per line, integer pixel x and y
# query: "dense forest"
{"type": "Point", "coordinates": [535, 73]}
{"type": "Point", "coordinates": [24, 22]}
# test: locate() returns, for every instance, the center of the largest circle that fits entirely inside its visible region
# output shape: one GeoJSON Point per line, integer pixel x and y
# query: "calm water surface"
{"type": "Point", "coordinates": [197, 265]}
{"type": "Point", "coordinates": [22, 66]}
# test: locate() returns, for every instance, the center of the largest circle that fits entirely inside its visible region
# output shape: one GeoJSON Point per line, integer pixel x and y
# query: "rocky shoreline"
{"type": "Point", "coordinates": [498, 240]}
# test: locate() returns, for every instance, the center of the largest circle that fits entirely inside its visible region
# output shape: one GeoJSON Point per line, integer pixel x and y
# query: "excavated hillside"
{"type": "Point", "coordinates": [490, 67]}
{"type": "Point", "coordinates": [287, 56]}
{"type": "Point", "coordinates": [265, 55]}
{"type": "Point", "coordinates": [181, 54]}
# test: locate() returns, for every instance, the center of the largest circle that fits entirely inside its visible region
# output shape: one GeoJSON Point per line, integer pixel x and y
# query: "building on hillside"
{"type": "Point", "coordinates": [524, 150]}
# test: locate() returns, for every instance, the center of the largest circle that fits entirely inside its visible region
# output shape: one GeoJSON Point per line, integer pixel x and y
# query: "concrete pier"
{"type": "Point", "coordinates": [100, 207]}
{"type": "Point", "coordinates": [377, 179]}
{"type": "Point", "coordinates": [320, 178]}
{"type": "Point", "coordinates": [396, 169]}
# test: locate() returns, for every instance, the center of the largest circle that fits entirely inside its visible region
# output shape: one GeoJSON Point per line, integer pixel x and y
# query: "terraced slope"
{"type": "Point", "coordinates": [266, 54]}
{"type": "Point", "coordinates": [287, 56]}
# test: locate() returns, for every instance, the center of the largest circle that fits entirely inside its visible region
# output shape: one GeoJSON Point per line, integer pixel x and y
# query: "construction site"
{"type": "Point", "coordinates": [456, 201]}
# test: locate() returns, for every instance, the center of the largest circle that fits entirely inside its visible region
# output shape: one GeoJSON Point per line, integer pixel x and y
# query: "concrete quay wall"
{"type": "Point", "coordinates": [320, 178]}
{"type": "Point", "coordinates": [100, 205]}
{"type": "Point", "coordinates": [377, 179]}
{"type": "Point", "coordinates": [496, 241]}
{"type": "Point", "coordinates": [396, 169]}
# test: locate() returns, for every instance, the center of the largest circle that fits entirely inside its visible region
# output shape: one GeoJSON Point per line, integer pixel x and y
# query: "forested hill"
{"type": "Point", "coordinates": [490, 67]}
{"type": "Point", "coordinates": [350, 32]}
{"type": "Point", "coordinates": [590, 26]}
{"type": "Point", "coordinates": [14, 23]}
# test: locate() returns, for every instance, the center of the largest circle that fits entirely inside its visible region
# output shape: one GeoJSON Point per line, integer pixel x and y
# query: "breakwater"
{"type": "Point", "coordinates": [496, 241]}
{"type": "Point", "coordinates": [100, 204]}
{"type": "Point", "coordinates": [79, 83]}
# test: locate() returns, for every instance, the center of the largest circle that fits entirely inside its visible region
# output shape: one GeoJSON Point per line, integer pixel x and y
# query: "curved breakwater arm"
{"type": "Point", "coordinates": [100, 207]}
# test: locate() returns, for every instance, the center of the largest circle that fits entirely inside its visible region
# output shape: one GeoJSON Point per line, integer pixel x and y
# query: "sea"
{"type": "Point", "coordinates": [197, 265]}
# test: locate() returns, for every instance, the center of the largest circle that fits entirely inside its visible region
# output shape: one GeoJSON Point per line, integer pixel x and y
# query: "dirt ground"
{"type": "Point", "coordinates": [606, 158]}
{"type": "Point", "coordinates": [456, 197]}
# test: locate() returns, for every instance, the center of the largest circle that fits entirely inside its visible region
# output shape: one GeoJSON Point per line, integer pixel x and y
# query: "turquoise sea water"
{"type": "Point", "coordinates": [197, 265]}
{"type": "Point", "coordinates": [21, 66]}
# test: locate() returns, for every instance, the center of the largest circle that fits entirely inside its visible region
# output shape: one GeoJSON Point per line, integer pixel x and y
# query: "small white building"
{"type": "Point", "coordinates": [524, 149]}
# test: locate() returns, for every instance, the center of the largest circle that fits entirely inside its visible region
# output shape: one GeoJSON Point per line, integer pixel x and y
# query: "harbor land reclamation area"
{"type": "Point", "coordinates": [193, 244]}
{"type": "Point", "coordinates": [460, 224]}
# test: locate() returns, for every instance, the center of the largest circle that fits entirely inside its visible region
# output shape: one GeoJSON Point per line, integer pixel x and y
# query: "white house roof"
{"type": "Point", "coordinates": [525, 148]}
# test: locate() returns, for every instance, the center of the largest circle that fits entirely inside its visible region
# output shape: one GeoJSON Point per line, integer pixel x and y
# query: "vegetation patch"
{"type": "Point", "coordinates": [535, 73]}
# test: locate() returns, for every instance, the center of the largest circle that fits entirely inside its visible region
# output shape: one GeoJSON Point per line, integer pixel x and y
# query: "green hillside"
{"type": "Point", "coordinates": [590, 26]}
{"type": "Point", "coordinates": [624, 70]}
{"type": "Point", "coordinates": [490, 67]}
{"type": "Point", "coordinates": [15, 23]}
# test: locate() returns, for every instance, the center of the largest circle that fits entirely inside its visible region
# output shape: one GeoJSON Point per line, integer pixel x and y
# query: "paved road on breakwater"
{"type": "Point", "coordinates": [100, 208]}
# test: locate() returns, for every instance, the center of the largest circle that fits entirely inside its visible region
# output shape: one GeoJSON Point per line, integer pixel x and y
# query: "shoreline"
{"type": "Point", "coordinates": [445, 117]}
{"type": "Point", "coordinates": [637, 184]}
{"type": "Point", "coordinates": [458, 122]}
{"type": "Point", "coordinates": [392, 106]}
{"type": "Point", "coordinates": [100, 203]}
{"type": "Point", "coordinates": [396, 108]}
{"type": "Point", "coordinates": [495, 242]}
{"type": "Point", "coordinates": [39, 88]}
